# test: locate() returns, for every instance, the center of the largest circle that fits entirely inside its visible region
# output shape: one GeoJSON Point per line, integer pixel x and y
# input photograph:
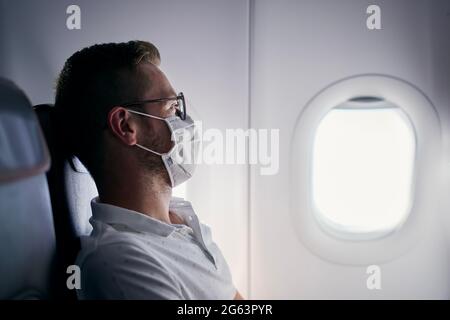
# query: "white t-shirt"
{"type": "Point", "coordinates": [130, 255]}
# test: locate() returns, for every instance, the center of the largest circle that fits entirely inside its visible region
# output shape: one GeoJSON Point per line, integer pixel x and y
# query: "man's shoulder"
{"type": "Point", "coordinates": [113, 247]}
{"type": "Point", "coordinates": [122, 270]}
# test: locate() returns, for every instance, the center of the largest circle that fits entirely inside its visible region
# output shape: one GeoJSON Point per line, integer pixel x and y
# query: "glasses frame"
{"type": "Point", "coordinates": [180, 96]}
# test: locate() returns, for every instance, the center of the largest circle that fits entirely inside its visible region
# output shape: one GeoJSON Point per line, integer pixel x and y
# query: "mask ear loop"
{"type": "Point", "coordinates": [145, 114]}
{"type": "Point", "coordinates": [154, 117]}
{"type": "Point", "coordinates": [149, 150]}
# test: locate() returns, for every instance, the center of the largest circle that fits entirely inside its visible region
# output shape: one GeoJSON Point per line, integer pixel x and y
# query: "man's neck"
{"type": "Point", "coordinates": [149, 195]}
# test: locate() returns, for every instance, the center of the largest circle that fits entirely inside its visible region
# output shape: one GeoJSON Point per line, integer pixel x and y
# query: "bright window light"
{"type": "Point", "coordinates": [179, 191]}
{"type": "Point", "coordinates": [363, 161]}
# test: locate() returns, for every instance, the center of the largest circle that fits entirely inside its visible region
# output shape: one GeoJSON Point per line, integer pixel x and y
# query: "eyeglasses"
{"type": "Point", "coordinates": [180, 109]}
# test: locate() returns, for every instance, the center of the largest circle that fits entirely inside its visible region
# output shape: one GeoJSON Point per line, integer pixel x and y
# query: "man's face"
{"type": "Point", "coordinates": [154, 133]}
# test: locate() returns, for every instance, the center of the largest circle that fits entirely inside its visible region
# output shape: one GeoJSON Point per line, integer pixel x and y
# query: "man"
{"type": "Point", "coordinates": [119, 115]}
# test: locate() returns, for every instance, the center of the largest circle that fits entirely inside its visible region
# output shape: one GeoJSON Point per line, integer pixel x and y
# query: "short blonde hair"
{"type": "Point", "coordinates": [92, 81]}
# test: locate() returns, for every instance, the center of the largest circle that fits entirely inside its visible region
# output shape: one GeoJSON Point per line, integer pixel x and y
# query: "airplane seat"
{"type": "Point", "coordinates": [27, 238]}
{"type": "Point", "coordinates": [69, 179]}
{"type": "Point", "coordinates": [71, 190]}
{"type": "Point", "coordinates": [81, 188]}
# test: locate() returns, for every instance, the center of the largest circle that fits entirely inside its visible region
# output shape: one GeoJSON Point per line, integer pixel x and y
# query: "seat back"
{"type": "Point", "coordinates": [71, 190]}
{"type": "Point", "coordinates": [81, 189]}
{"type": "Point", "coordinates": [71, 185]}
{"type": "Point", "coordinates": [27, 238]}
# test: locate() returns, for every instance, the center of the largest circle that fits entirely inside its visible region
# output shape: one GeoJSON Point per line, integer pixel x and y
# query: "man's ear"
{"type": "Point", "coordinates": [122, 125]}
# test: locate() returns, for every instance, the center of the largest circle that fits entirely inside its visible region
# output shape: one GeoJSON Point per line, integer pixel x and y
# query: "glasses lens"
{"type": "Point", "coordinates": [181, 112]}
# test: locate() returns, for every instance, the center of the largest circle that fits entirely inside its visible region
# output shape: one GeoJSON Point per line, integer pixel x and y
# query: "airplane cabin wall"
{"type": "Point", "coordinates": [298, 49]}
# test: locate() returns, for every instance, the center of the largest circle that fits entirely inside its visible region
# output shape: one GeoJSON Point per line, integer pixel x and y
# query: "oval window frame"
{"type": "Point", "coordinates": [425, 121]}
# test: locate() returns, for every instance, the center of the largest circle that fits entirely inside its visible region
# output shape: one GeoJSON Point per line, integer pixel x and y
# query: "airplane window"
{"type": "Point", "coordinates": [362, 168]}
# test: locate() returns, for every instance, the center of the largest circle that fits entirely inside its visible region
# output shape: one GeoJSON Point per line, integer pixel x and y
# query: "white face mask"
{"type": "Point", "coordinates": [180, 160]}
